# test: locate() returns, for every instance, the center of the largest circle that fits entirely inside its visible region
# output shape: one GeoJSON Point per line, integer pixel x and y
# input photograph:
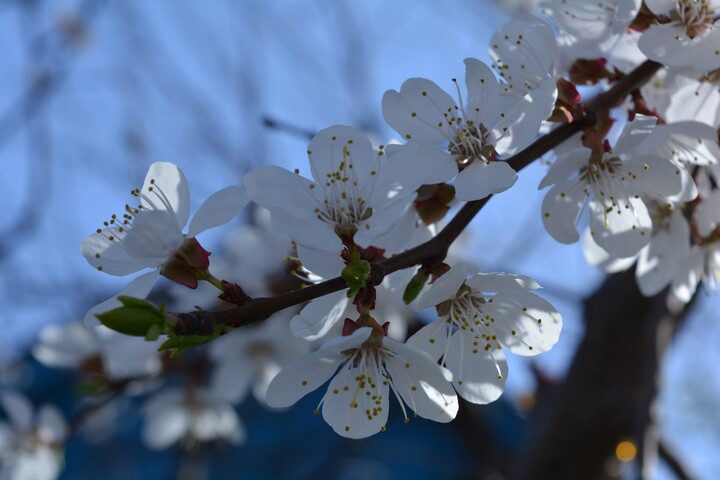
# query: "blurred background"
{"type": "Point", "coordinates": [95, 91]}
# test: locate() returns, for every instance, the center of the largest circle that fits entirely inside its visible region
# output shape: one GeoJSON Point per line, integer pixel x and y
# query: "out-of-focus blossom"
{"type": "Point", "coordinates": [189, 417]}
{"type": "Point", "coordinates": [30, 443]}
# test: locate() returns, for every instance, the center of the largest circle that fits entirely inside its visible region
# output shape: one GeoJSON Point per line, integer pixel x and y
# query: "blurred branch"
{"type": "Point", "coordinates": [21, 114]}
{"type": "Point", "coordinates": [47, 81]}
{"type": "Point", "coordinates": [286, 127]}
{"type": "Point", "coordinates": [434, 250]}
{"type": "Point", "coordinates": [672, 461]}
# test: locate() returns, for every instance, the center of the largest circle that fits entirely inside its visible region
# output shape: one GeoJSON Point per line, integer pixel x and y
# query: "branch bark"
{"type": "Point", "coordinates": [203, 322]}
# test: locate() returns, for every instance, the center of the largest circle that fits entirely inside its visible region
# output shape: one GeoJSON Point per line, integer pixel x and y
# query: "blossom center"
{"type": "Point", "coordinates": [466, 314]}
{"type": "Point", "coordinates": [469, 143]}
{"type": "Point", "coordinates": [695, 15]}
{"type": "Point", "coordinates": [341, 201]}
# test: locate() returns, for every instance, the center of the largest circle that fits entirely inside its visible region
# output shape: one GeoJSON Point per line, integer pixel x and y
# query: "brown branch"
{"type": "Point", "coordinates": [203, 322]}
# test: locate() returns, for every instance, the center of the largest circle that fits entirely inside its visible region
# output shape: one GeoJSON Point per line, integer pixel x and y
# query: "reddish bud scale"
{"type": "Point", "coordinates": [432, 201]}
{"type": "Point", "coordinates": [186, 263]}
{"type": "Point", "coordinates": [233, 293]}
{"type": "Point", "coordinates": [644, 19]}
{"type": "Point", "coordinates": [588, 72]}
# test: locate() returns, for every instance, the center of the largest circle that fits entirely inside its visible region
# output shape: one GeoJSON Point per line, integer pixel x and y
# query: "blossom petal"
{"type": "Point", "coordinates": [501, 282]}
{"type": "Point", "coordinates": [526, 52]}
{"type": "Point", "coordinates": [707, 216]}
{"type": "Point", "coordinates": [231, 378]}
{"type": "Point", "coordinates": [595, 255]}
{"type": "Point", "coordinates": [166, 427]}
{"type": "Point", "coordinates": [18, 410]}
{"type": "Point", "coordinates": [478, 375]}
{"type": "Point", "coordinates": [480, 179]}
{"type": "Point", "coordinates": [341, 150]}
{"type": "Point", "coordinates": [108, 255]}
{"type": "Point", "coordinates": [320, 262]}
{"type": "Point", "coordinates": [524, 323]}
{"type": "Point", "coordinates": [65, 346]}
{"type": "Point", "coordinates": [659, 262]}
{"type": "Point", "coordinates": [687, 278]}
{"type": "Point", "coordinates": [623, 229]}
{"type": "Point", "coordinates": [561, 209]}
{"type": "Point", "coordinates": [51, 426]}
{"type": "Point", "coordinates": [520, 119]}
{"type": "Point", "coordinates": [429, 104]}
{"type": "Point", "coordinates": [414, 164]}
{"type": "Point", "coordinates": [319, 315]}
{"type": "Point", "coordinates": [166, 189]}
{"type": "Point", "coordinates": [670, 45]}
{"type": "Point", "coordinates": [311, 232]}
{"type": "Point", "coordinates": [423, 385]}
{"type": "Point", "coordinates": [354, 411]}
{"type": "Point", "coordinates": [153, 238]}
{"type": "Point", "coordinates": [278, 189]}
{"type": "Point", "coordinates": [218, 209]}
{"type": "Point", "coordinates": [634, 133]}
{"type": "Point", "coordinates": [432, 338]}
{"type": "Point", "coordinates": [382, 220]}
{"type": "Point", "coordinates": [307, 373]}
{"type": "Point", "coordinates": [661, 7]}
{"type": "Point", "coordinates": [565, 166]}
{"type": "Point", "coordinates": [687, 142]}
{"type": "Point", "coordinates": [654, 175]}
{"type": "Point", "coordinates": [138, 288]}
{"type": "Point", "coordinates": [445, 287]}
{"type": "Point", "coordinates": [483, 91]}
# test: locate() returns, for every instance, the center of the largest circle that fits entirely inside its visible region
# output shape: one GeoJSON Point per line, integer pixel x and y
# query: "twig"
{"type": "Point", "coordinates": [671, 460]}
{"type": "Point", "coordinates": [202, 322]}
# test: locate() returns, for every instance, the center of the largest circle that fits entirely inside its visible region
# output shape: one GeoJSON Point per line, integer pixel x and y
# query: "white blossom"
{"type": "Point", "coordinates": [610, 183]}
{"type": "Point", "coordinates": [591, 29]}
{"type": "Point", "coordinates": [479, 314]}
{"type": "Point", "coordinates": [30, 444]}
{"type": "Point", "coordinates": [370, 367]}
{"type": "Point", "coordinates": [249, 358]}
{"type": "Point", "coordinates": [444, 136]}
{"type": "Point", "coordinates": [189, 416]}
{"type": "Point", "coordinates": [702, 262]}
{"type": "Point", "coordinates": [75, 346]}
{"type": "Point", "coordinates": [687, 36]}
{"type": "Point", "coordinates": [356, 193]}
{"type": "Point", "coordinates": [660, 261]}
{"type": "Point", "coordinates": [526, 56]}
{"type": "Point", "coordinates": [149, 235]}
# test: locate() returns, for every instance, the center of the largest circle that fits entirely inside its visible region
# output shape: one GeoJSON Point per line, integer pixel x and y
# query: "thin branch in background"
{"type": "Point", "coordinates": [673, 462]}
{"type": "Point", "coordinates": [21, 115]}
{"type": "Point", "coordinates": [286, 127]}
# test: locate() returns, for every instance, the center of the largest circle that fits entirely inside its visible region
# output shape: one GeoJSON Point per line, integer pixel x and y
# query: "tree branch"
{"type": "Point", "coordinates": [203, 322]}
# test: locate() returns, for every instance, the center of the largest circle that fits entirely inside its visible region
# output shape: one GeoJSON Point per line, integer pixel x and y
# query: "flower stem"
{"type": "Point", "coordinates": [210, 278]}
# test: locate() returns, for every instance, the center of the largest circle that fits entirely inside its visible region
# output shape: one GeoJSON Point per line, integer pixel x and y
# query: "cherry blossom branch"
{"type": "Point", "coordinates": [435, 250]}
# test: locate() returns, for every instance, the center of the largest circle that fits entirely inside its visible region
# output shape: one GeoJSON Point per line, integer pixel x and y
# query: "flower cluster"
{"type": "Point", "coordinates": [647, 179]}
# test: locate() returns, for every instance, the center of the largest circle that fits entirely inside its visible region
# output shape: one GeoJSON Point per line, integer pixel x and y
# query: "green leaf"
{"type": "Point", "coordinates": [178, 344]}
{"type": "Point", "coordinates": [415, 286]}
{"type": "Point", "coordinates": [356, 275]}
{"type": "Point", "coordinates": [136, 317]}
